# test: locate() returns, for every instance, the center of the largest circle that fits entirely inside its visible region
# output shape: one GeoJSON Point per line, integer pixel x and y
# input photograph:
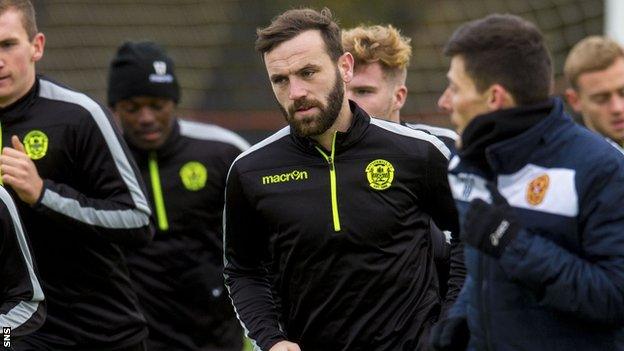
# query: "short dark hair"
{"type": "Point", "coordinates": [507, 50]}
{"type": "Point", "coordinates": [294, 22]}
{"type": "Point", "coordinates": [27, 10]}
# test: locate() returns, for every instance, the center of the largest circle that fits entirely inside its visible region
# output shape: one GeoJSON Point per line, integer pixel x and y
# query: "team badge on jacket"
{"type": "Point", "coordinates": [536, 190]}
{"type": "Point", "coordinates": [36, 144]}
{"type": "Point", "coordinates": [193, 175]}
{"type": "Point", "coordinates": [380, 174]}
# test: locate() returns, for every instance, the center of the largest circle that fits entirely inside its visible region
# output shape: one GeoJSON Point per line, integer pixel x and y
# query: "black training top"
{"type": "Point", "coordinates": [179, 275]}
{"type": "Point", "coordinates": [331, 249]}
{"type": "Point", "coordinates": [92, 204]}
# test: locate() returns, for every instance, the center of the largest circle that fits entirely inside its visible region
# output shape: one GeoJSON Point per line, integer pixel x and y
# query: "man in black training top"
{"type": "Point", "coordinates": [78, 195]}
{"type": "Point", "coordinates": [179, 275]}
{"type": "Point", "coordinates": [327, 243]}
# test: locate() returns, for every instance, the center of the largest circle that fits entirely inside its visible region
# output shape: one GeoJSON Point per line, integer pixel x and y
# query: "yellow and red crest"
{"type": "Point", "coordinates": [536, 190]}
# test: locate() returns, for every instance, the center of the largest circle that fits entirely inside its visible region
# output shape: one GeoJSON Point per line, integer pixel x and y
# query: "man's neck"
{"type": "Point", "coordinates": [395, 117]}
{"type": "Point", "coordinates": [342, 124]}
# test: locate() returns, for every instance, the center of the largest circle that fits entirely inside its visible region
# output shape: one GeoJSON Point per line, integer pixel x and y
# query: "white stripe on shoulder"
{"type": "Point", "coordinates": [131, 218]}
{"type": "Point", "coordinates": [203, 131]}
{"type": "Point", "coordinates": [437, 131]}
{"type": "Point", "coordinates": [23, 311]}
{"type": "Point", "coordinates": [271, 139]}
{"type": "Point", "coordinates": [403, 130]}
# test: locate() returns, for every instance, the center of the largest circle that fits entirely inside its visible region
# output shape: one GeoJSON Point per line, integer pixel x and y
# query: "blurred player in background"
{"type": "Point", "coordinates": [381, 57]}
{"type": "Point", "coordinates": [594, 69]}
{"type": "Point", "coordinates": [179, 275]}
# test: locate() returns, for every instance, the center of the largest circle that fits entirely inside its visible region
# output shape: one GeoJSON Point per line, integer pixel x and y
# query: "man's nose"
{"type": "Point", "coordinates": [297, 90]}
{"type": "Point", "coordinates": [444, 102]}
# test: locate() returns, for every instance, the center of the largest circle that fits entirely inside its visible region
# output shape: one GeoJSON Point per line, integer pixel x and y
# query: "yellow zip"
{"type": "Point", "coordinates": [332, 182]}
{"type": "Point", "coordinates": [159, 202]}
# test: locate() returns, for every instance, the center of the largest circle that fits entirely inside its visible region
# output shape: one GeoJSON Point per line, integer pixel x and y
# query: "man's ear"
{"type": "Point", "coordinates": [498, 98]}
{"type": "Point", "coordinates": [38, 45]}
{"type": "Point", "coordinates": [574, 100]}
{"type": "Point", "coordinates": [399, 97]}
{"type": "Point", "coordinates": [345, 66]}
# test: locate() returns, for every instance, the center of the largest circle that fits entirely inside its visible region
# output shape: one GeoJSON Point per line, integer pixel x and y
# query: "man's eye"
{"type": "Point", "coordinates": [307, 74]}
{"type": "Point", "coordinates": [601, 99]}
{"type": "Point", "coordinates": [363, 92]}
{"type": "Point", "coordinates": [6, 45]}
{"type": "Point", "coordinates": [279, 80]}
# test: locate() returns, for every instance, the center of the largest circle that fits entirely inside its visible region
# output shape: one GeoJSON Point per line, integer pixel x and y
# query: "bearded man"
{"type": "Point", "coordinates": [326, 239]}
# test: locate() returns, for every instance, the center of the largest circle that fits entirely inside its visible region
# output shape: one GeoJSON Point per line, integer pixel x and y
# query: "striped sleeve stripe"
{"type": "Point", "coordinates": [23, 311]}
{"type": "Point", "coordinates": [131, 218]}
{"type": "Point", "coordinates": [417, 134]}
{"type": "Point", "coordinates": [211, 132]}
{"type": "Point", "coordinates": [437, 131]}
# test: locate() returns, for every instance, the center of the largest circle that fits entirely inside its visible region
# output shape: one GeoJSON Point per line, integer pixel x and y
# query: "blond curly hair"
{"type": "Point", "coordinates": [383, 44]}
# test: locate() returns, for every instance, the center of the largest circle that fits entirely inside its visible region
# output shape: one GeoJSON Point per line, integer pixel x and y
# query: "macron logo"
{"type": "Point", "coordinates": [285, 177]}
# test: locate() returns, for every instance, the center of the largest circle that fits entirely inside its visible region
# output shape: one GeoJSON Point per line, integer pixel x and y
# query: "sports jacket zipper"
{"type": "Point", "coordinates": [159, 202]}
{"type": "Point", "coordinates": [332, 183]}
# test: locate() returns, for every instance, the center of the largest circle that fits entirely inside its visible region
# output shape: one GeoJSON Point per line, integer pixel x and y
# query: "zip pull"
{"type": "Point", "coordinates": [159, 202]}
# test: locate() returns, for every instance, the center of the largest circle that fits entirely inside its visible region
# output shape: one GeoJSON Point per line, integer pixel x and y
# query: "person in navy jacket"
{"type": "Point", "coordinates": [541, 203]}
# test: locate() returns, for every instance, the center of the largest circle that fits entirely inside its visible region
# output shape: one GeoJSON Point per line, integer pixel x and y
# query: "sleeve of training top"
{"type": "Point", "coordinates": [457, 275]}
{"type": "Point", "coordinates": [22, 306]}
{"type": "Point", "coordinates": [441, 208]}
{"type": "Point", "coordinates": [589, 287]}
{"type": "Point", "coordinates": [246, 256]}
{"type": "Point", "coordinates": [106, 196]}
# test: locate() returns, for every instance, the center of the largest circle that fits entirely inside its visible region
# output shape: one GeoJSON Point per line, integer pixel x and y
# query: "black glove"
{"type": "Point", "coordinates": [490, 227]}
{"type": "Point", "coordinates": [451, 334]}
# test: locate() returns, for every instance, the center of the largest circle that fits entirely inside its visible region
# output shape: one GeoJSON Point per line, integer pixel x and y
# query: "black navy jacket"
{"type": "Point", "coordinates": [92, 203]}
{"type": "Point", "coordinates": [333, 251]}
{"type": "Point", "coordinates": [559, 285]}
{"type": "Point", "coordinates": [179, 275]}
{"type": "Point", "coordinates": [21, 299]}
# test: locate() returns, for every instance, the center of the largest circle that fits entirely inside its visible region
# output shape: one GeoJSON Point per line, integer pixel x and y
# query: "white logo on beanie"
{"type": "Point", "coordinates": [161, 76]}
{"type": "Point", "coordinates": [160, 67]}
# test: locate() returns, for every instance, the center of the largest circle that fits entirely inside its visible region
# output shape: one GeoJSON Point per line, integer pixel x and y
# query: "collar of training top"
{"type": "Point", "coordinates": [18, 109]}
{"type": "Point", "coordinates": [359, 124]}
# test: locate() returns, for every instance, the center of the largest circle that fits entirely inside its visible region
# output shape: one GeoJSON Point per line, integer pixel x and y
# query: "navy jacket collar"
{"type": "Point", "coordinates": [493, 144]}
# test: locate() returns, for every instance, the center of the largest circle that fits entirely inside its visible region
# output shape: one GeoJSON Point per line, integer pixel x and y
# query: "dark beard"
{"type": "Point", "coordinates": [320, 123]}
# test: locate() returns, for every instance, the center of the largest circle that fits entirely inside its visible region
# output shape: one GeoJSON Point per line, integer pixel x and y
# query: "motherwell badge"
{"type": "Point", "coordinates": [36, 144]}
{"type": "Point", "coordinates": [380, 174]}
{"type": "Point", "coordinates": [193, 175]}
{"type": "Point", "coordinates": [536, 190]}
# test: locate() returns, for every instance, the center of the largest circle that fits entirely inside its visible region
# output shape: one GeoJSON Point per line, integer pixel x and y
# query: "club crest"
{"type": "Point", "coordinates": [193, 175]}
{"type": "Point", "coordinates": [36, 144]}
{"type": "Point", "coordinates": [536, 190]}
{"type": "Point", "coordinates": [380, 174]}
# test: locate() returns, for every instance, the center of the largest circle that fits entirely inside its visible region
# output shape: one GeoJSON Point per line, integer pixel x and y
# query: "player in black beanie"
{"type": "Point", "coordinates": [142, 68]}
{"type": "Point", "coordinates": [178, 277]}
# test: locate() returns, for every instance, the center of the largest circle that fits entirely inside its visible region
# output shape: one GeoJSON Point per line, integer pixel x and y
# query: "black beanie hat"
{"type": "Point", "coordinates": [141, 69]}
